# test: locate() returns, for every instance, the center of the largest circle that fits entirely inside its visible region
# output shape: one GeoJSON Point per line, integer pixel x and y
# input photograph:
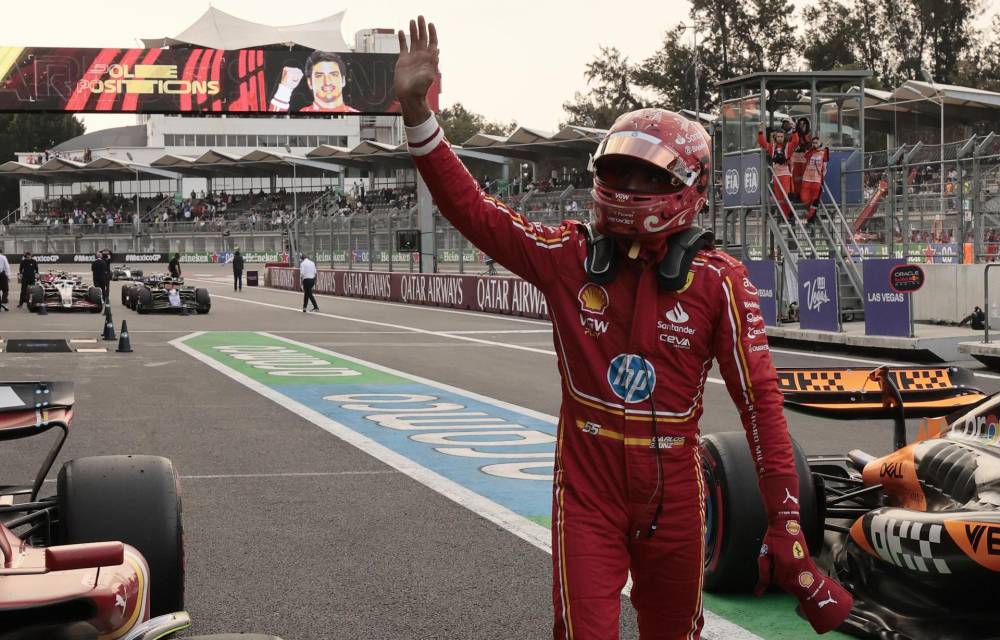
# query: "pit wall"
{"type": "Point", "coordinates": [504, 295]}
{"type": "Point", "coordinates": [952, 290]}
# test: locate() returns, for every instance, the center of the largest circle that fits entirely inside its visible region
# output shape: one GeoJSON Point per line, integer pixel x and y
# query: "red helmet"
{"type": "Point", "coordinates": [680, 154]}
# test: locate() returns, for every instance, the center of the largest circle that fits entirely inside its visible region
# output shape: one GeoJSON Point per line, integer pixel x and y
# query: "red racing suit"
{"type": "Point", "coordinates": [634, 360]}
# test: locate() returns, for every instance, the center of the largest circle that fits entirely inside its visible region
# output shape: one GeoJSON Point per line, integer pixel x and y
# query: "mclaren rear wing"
{"type": "Point", "coordinates": [855, 392]}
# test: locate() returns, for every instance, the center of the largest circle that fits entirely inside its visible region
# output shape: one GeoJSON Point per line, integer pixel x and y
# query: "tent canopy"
{"type": "Point", "coordinates": [216, 29]}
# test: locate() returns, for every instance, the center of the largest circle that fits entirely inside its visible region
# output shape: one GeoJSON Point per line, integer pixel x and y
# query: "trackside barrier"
{"type": "Point", "coordinates": [508, 296]}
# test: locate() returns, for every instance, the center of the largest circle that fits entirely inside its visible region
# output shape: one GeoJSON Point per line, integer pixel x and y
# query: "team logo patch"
{"type": "Point", "coordinates": [748, 287]}
{"type": "Point", "coordinates": [593, 299]}
{"type": "Point", "coordinates": [793, 527]}
{"type": "Point", "coordinates": [797, 551]}
{"type": "Point", "coordinates": [687, 282]}
{"type": "Point", "coordinates": [631, 377]}
{"type": "Point", "coordinates": [806, 579]}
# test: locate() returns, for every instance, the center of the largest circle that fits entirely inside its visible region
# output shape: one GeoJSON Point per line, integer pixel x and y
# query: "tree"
{"type": "Point", "coordinates": [460, 124]}
{"type": "Point", "coordinates": [947, 31]}
{"type": "Point", "coordinates": [611, 78]}
{"type": "Point", "coordinates": [669, 74]}
{"type": "Point", "coordinates": [30, 132]}
{"type": "Point", "coordinates": [980, 67]}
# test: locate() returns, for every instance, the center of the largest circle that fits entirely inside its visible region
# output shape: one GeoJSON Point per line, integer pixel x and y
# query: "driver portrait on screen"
{"type": "Point", "coordinates": [325, 76]}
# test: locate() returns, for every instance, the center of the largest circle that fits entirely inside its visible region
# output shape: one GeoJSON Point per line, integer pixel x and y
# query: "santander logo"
{"type": "Point", "coordinates": [677, 314]}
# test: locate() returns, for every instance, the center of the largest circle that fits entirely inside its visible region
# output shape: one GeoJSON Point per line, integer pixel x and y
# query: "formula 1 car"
{"type": "Point", "coordinates": [65, 294]}
{"type": "Point", "coordinates": [126, 273]}
{"type": "Point", "coordinates": [104, 556]}
{"type": "Point", "coordinates": [166, 294]}
{"type": "Point", "coordinates": [52, 276]}
{"type": "Point", "coordinates": [914, 535]}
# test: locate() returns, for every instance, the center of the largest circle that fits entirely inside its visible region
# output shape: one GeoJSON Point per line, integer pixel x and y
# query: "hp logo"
{"type": "Point", "coordinates": [631, 377]}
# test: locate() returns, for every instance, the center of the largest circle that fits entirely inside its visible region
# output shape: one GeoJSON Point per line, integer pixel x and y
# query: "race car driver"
{"type": "Point", "coordinates": [641, 304]}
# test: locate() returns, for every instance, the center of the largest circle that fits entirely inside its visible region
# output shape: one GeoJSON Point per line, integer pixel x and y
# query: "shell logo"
{"type": "Point", "coordinates": [593, 299]}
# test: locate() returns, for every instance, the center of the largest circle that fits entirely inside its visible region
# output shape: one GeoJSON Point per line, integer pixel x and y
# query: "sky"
{"type": "Point", "coordinates": [510, 60]}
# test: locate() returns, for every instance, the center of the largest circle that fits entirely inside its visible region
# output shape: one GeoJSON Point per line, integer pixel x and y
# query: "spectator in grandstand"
{"type": "Point", "coordinates": [804, 136]}
{"type": "Point", "coordinates": [28, 272]}
{"type": "Point", "coordinates": [101, 274]}
{"type": "Point", "coordinates": [4, 282]}
{"type": "Point", "coordinates": [175, 266]}
{"type": "Point", "coordinates": [777, 152]}
{"type": "Point", "coordinates": [237, 270]}
{"type": "Point", "coordinates": [812, 176]}
{"type": "Point", "coordinates": [307, 273]}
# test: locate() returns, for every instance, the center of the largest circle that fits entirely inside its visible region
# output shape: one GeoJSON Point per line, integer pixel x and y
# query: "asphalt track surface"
{"type": "Point", "coordinates": [294, 532]}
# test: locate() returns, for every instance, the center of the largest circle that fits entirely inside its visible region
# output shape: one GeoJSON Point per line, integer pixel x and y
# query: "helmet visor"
{"type": "Point", "coordinates": [647, 148]}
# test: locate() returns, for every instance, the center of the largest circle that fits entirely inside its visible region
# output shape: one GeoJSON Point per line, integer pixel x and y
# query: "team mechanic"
{"type": "Point", "coordinates": [640, 306]}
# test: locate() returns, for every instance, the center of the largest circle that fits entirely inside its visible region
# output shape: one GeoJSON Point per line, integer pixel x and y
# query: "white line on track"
{"type": "Point", "coordinates": [716, 627]}
{"type": "Point", "coordinates": [439, 334]}
{"type": "Point", "coordinates": [487, 331]}
{"type": "Point", "coordinates": [304, 474]}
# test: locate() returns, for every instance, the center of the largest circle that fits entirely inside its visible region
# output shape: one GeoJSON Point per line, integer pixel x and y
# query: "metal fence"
{"type": "Point", "coordinates": [927, 202]}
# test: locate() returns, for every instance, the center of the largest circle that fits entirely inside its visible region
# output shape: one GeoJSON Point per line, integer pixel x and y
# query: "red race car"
{"type": "Point", "coordinates": [104, 557]}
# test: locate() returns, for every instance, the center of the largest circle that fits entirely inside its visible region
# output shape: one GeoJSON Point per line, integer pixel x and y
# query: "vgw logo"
{"type": "Point", "coordinates": [816, 295]}
{"type": "Point", "coordinates": [631, 377]}
{"type": "Point", "coordinates": [732, 182]}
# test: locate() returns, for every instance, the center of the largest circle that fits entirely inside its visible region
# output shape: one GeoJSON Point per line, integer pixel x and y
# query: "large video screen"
{"type": "Point", "coordinates": [190, 80]}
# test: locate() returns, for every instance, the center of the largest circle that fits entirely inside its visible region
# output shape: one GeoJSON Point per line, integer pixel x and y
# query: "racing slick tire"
{"type": "Point", "coordinates": [133, 499]}
{"type": "Point", "coordinates": [735, 518]}
{"type": "Point", "coordinates": [125, 295]}
{"type": "Point", "coordinates": [36, 297]}
{"type": "Point", "coordinates": [144, 299]}
{"type": "Point", "coordinates": [203, 299]}
{"type": "Point", "coordinates": [96, 296]}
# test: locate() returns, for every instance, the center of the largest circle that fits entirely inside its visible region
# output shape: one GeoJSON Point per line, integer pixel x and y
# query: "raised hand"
{"type": "Point", "coordinates": [416, 70]}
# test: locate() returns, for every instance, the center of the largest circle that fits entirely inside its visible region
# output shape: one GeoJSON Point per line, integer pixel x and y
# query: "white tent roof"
{"type": "Point", "coordinates": [219, 30]}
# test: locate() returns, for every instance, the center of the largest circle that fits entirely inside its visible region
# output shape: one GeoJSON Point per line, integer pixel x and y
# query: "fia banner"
{"type": "Point", "coordinates": [818, 305]}
{"type": "Point", "coordinates": [762, 276]}
{"type": "Point", "coordinates": [887, 311]}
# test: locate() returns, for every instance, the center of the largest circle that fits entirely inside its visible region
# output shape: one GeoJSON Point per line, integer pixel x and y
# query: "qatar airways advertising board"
{"type": "Point", "coordinates": [297, 82]}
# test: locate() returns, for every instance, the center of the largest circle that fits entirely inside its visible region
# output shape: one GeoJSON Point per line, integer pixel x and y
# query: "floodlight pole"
{"type": "Point", "coordinates": [940, 100]}
{"type": "Point", "coordinates": [137, 224]}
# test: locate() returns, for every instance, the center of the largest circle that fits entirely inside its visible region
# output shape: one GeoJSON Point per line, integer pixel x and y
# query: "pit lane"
{"type": "Point", "coordinates": [294, 532]}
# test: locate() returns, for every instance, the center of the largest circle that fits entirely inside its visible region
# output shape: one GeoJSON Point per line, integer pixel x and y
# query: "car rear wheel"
{"type": "Point", "coordinates": [735, 516]}
{"type": "Point", "coordinates": [36, 297]}
{"type": "Point", "coordinates": [144, 300]}
{"type": "Point", "coordinates": [203, 299]}
{"type": "Point", "coordinates": [135, 500]}
{"type": "Point", "coordinates": [96, 297]}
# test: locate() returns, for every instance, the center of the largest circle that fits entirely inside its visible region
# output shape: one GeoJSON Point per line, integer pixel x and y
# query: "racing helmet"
{"type": "Point", "coordinates": [680, 154]}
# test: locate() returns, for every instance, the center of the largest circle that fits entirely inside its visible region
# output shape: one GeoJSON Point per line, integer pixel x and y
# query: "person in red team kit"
{"type": "Point", "coordinates": [641, 304]}
{"type": "Point", "coordinates": [812, 176]}
{"type": "Point", "coordinates": [803, 137]}
{"type": "Point", "coordinates": [778, 153]}
{"type": "Point", "coordinates": [326, 78]}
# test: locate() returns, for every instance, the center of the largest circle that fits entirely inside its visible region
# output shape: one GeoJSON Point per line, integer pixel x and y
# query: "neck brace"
{"type": "Point", "coordinates": [604, 257]}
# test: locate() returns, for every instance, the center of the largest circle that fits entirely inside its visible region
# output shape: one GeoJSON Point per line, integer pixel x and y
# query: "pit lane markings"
{"type": "Point", "coordinates": [439, 334]}
{"type": "Point", "coordinates": [364, 395]}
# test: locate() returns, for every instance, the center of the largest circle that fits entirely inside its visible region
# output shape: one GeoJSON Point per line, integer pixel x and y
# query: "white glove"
{"type": "Point", "coordinates": [290, 78]}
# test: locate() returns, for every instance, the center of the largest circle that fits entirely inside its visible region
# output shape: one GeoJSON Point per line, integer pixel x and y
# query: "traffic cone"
{"type": "Point", "coordinates": [124, 344]}
{"type": "Point", "coordinates": [109, 325]}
